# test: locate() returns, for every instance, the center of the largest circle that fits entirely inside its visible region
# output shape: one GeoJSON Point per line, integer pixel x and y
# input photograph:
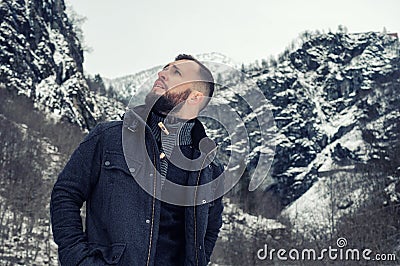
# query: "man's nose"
{"type": "Point", "coordinates": [162, 75]}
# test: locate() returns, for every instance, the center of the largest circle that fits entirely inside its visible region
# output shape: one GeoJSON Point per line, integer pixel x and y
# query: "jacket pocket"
{"type": "Point", "coordinates": [121, 191]}
{"type": "Point", "coordinates": [116, 161]}
{"type": "Point", "coordinates": [120, 178]}
{"type": "Point", "coordinates": [109, 254]}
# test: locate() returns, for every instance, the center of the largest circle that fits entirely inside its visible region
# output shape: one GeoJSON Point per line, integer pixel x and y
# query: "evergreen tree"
{"type": "Point", "coordinates": [242, 73]}
{"type": "Point", "coordinates": [99, 83]}
{"type": "Point", "coordinates": [96, 84]}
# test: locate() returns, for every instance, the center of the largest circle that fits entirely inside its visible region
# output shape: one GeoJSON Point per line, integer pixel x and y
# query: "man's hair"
{"type": "Point", "coordinates": [205, 74]}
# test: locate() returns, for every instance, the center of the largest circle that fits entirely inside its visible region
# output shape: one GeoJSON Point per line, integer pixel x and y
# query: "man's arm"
{"type": "Point", "coordinates": [71, 190]}
{"type": "Point", "coordinates": [214, 218]}
{"type": "Point", "coordinates": [213, 227]}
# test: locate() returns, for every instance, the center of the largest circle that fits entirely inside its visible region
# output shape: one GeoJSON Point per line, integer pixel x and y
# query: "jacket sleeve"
{"type": "Point", "coordinates": [70, 191]}
{"type": "Point", "coordinates": [214, 219]}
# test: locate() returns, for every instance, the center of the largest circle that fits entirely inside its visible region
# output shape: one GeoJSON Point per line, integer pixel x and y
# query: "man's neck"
{"type": "Point", "coordinates": [175, 127]}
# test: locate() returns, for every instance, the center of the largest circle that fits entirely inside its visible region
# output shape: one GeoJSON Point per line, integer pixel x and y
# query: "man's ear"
{"type": "Point", "coordinates": [196, 97]}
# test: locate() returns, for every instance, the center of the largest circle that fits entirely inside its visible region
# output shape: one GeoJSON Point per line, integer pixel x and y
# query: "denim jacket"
{"type": "Point", "coordinates": [122, 219]}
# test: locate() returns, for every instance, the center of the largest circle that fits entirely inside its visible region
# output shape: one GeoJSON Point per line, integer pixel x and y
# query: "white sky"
{"type": "Point", "coordinates": [128, 36]}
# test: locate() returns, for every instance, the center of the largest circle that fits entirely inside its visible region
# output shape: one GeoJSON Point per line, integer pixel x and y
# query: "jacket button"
{"type": "Point", "coordinates": [204, 201]}
{"type": "Point", "coordinates": [132, 169]}
{"type": "Point", "coordinates": [147, 221]}
{"type": "Point", "coordinates": [115, 257]}
{"type": "Point", "coordinates": [107, 163]}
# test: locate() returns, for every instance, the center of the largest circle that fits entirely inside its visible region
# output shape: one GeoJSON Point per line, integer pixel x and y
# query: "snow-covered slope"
{"type": "Point", "coordinates": [41, 58]}
{"type": "Point", "coordinates": [335, 103]}
{"type": "Point", "coordinates": [323, 96]}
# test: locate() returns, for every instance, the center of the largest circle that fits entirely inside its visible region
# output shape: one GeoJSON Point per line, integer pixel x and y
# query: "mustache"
{"type": "Point", "coordinates": [168, 101]}
{"type": "Point", "coordinates": [162, 82]}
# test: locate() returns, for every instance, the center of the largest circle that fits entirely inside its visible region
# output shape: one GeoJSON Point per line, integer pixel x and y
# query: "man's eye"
{"type": "Point", "coordinates": [177, 72]}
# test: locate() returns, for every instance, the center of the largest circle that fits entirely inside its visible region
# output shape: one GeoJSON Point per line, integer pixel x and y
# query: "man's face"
{"type": "Point", "coordinates": [173, 85]}
{"type": "Point", "coordinates": [176, 75]}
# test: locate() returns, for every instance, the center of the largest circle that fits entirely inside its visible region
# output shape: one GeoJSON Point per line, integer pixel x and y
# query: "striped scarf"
{"type": "Point", "coordinates": [179, 135]}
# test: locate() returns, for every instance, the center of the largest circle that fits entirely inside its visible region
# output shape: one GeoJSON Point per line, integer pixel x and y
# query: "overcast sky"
{"type": "Point", "coordinates": [127, 36]}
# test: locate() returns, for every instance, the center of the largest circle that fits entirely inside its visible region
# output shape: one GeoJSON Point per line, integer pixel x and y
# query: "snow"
{"type": "Point", "coordinates": [354, 142]}
{"type": "Point", "coordinates": [316, 213]}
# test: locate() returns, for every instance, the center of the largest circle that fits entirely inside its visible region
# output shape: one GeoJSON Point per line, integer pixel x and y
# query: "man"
{"type": "Point", "coordinates": [126, 174]}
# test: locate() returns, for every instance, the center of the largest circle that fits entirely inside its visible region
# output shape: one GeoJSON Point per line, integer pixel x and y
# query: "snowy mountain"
{"type": "Point", "coordinates": [328, 97]}
{"type": "Point", "coordinates": [41, 58]}
{"type": "Point", "coordinates": [134, 86]}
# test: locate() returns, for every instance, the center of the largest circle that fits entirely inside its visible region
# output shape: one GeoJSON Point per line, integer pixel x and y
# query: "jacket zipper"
{"type": "Point", "coordinates": [153, 208]}
{"type": "Point", "coordinates": [155, 149]}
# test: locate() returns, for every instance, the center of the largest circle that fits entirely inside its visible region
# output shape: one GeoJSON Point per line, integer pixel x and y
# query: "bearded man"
{"type": "Point", "coordinates": [141, 179]}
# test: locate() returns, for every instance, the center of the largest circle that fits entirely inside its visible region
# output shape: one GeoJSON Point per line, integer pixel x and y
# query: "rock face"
{"type": "Point", "coordinates": [41, 58]}
{"type": "Point", "coordinates": [329, 96]}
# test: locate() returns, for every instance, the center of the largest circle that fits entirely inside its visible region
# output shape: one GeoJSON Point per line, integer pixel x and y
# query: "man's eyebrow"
{"type": "Point", "coordinates": [177, 68]}
{"type": "Point", "coordinates": [174, 66]}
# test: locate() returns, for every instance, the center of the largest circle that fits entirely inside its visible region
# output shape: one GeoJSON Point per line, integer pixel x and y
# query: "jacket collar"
{"type": "Point", "coordinates": [135, 118]}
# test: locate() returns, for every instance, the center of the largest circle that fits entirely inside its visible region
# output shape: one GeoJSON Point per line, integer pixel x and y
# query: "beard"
{"type": "Point", "coordinates": [167, 102]}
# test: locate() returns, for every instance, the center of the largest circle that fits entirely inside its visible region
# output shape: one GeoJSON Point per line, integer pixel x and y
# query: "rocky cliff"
{"type": "Point", "coordinates": [45, 108]}
{"type": "Point", "coordinates": [41, 58]}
